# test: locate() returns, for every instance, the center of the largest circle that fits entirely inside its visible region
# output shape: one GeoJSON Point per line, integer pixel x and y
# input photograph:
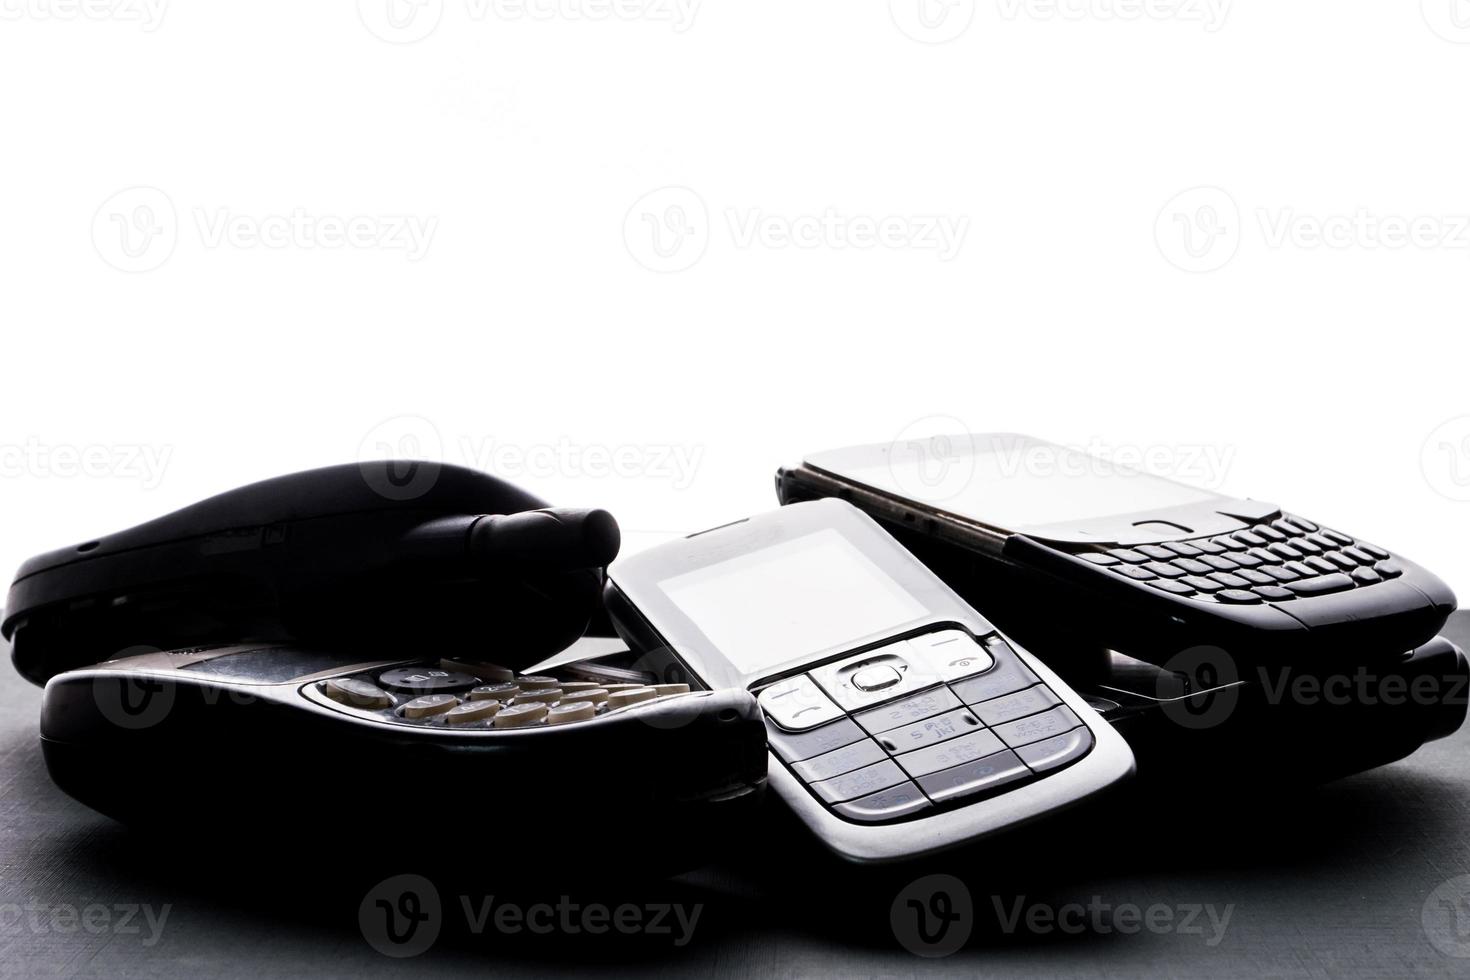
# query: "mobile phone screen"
{"type": "Point", "coordinates": [790, 599]}
{"type": "Point", "coordinates": [1007, 482]}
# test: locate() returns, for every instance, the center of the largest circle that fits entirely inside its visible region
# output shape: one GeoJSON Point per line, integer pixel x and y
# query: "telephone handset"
{"type": "Point", "coordinates": [313, 656]}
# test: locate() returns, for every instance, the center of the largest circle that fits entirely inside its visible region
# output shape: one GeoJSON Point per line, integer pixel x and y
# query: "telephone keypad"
{"type": "Point", "coordinates": [902, 800]}
{"type": "Point", "coordinates": [966, 748]}
{"type": "Point", "coordinates": [928, 731]}
{"type": "Point", "coordinates": [798, 746]}
{"type": "Point", "coordinates": [998, 711]}
{"type": "Point", "coordinates": [1285, 559]}
{"type": "Point", "coordinates": [953, 738]}
{"type": "Point", "coordinates": [1024, 731]}
{"type": "Point", "coordinates": [854, 756]}
{"type": "Point", "coordinates": [985, 774]}
{"type": "Point", "coordinates": [798, 704]}
{"type": "Point", "coordinates": [1057, 751]}
{"type": "Point", "coordinates": [859, 782]}
{"type": "Point", "coordinates": [426, 680]}
{"type": "Point", "coordinates": [475, 703]}
{"type": "Point", "coordinates": [922, 705]}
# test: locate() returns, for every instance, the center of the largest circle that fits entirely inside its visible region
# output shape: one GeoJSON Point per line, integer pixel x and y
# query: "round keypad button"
{"type": "Point", "coordinates": [429, 705]}
{"type": "Point", "coordinates": [356, 693]}
{"type": "Point", "coordinates": [426, 680]}
{"type": "Point", "coordinates": [572, 711]}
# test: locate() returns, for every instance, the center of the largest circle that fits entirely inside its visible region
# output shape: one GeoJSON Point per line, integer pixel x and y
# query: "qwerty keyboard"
{"type": "Point", "coordinates": [1276, 561]}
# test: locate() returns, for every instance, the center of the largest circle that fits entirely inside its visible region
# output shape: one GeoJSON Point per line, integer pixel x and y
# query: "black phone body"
{"type": "Point", "coordinates": [361, 555]}
{"type": "Point", "coordinates": [901, 722]}
{"type": "Point", "coordinates": [249, 739]}
{"type": "Point", "coordinates": [1135, 562]}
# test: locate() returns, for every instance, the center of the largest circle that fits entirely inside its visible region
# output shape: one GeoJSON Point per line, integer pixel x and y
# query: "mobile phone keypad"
{"type": "Point", "coordinates": [1273, 561]}
{"type": "Point", "coordinates": [985, 725]}
{"type": "Point", "coordinates": [469, 695]}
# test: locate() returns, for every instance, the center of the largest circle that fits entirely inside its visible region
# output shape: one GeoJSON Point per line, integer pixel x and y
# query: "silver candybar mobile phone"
{"type": "Point", "coordinates": [900, 721]}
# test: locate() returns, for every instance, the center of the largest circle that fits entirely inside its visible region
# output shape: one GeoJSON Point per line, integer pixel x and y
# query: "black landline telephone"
{"type": "Point", "coordinates": [309, 654]}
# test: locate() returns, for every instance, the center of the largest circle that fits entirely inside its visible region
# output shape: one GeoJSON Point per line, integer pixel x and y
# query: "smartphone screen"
{"type": "Point", "coordinates": [1007, 482]}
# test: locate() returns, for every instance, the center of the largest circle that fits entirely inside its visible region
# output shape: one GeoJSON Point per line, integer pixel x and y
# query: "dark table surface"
{"type": "Point", "coordinates": [1363, 876]}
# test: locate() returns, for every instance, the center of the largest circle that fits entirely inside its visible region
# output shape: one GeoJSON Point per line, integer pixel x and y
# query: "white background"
{"type": "Point", "coordinates": [1094, 298]}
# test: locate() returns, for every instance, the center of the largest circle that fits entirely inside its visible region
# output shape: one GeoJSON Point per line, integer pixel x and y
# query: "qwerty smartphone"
{"type": "Point", "coordinates": [1145, 565]}
{"type": "Point", "coordinates": [900, 721]}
